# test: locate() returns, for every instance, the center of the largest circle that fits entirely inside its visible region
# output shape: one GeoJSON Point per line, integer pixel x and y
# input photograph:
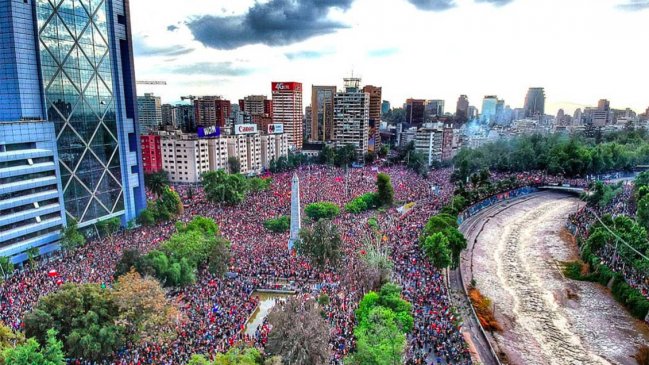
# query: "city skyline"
{"type": "Point", "coordinates": [486, 55]}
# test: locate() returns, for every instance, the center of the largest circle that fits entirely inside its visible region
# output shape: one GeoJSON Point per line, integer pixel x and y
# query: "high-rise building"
{"type": "Point", "coordinates": [433, 108]}
{"type": "Point", "coordinates": [32, 212]}
{"type": "Point", "coordinates": [374, 142]}
{"type": "Point", "coordinates": [151, 153]}
{"type": "Point", "coordinates": [322, 113]}
{"type": "Point", "coordinates": [306, 125]}
{"type": "Point", "coordinates": [184, 118]}
{"type": "Point", "coordinates": [577, 117]}
{"type": "Point", "coordinates": [352, 117]}
{"type": "Point", "coordinates": [211, 111]}
{"type": "Point", "coordinates": [167, 114]}
{"type": "Point", "coordinates": [287, 110]}
{"type": "Point", "coordinates": [604, 105]}
{"type": "Point", "coordinates": [535, 102]}
{"type": "Point", "coordinates": [149, 112]}
{"type": "Point", "coordinates": [415, 111]}
{"type": "Point", "coordinates": [185, 158]}
{"type": "Point", "coordinates": [462, 108]}
{"type": "Point", "coordinates": [255, 105]}
{"type": "Point", "coordinates": [385, 107]}
{"type": "Point", "coordinates": [70, 62]}
{"type": "Point", "coordinates": [489, 108]}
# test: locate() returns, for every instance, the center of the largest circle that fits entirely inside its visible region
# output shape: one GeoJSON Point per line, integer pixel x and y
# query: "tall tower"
{"type": "Point", "coordinates": [74, 67]}
{"type": "Point", "coordinates": [149, 109]}
{"type": "Point", "coordinates": [535, 102]}
{"type": "Point", "coordinates": [352, 117]}
{"type": "Point", "coordinates": [287, 110]}
{"type": "Point", "coordinates": [296, 221]}
{"type": "Point", "coordinates": [322, 113]}
{"type": "Point", "coordinates": [462, 108]}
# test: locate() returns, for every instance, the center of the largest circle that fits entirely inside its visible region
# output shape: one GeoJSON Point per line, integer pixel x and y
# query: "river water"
{"type": "Point", "coordinates": [548, 319]}
{"type": "Point", "coordinates": [267, 302]}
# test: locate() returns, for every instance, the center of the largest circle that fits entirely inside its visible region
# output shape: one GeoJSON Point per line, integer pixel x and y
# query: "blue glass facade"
{"type": "Point", "coordinates": [78, 74]}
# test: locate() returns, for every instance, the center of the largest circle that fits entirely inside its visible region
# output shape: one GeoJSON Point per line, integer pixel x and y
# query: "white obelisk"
{"type": "Point", "coordinates": [296, 221]}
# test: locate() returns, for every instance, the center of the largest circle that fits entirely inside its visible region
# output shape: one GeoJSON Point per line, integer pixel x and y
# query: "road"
{"type": "Point", "coordinates": [514, 252]}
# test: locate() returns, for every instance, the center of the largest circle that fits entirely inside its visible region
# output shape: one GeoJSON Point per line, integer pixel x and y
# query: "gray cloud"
{"type": "Point", "coordinates": [433, 5]}
{"type": "Point", "coordinates": [275, 23]}
{"type": "Point", "coordinates": [172, 28]}
{"type": "Point", "coordinates": [635, 5]}
{"type": "Point", "coordinates": [495, 2]}
{"type": "Point", "coordinates": [144, 50]}
{"type": "Point", "coordinates": [213, 68]}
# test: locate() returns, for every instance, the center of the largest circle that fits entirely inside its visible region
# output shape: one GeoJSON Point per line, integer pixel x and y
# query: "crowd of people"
{"type": "Point", "coordinates": [215, 310]}
{"type": "Point", "coordinates": [622, 203]}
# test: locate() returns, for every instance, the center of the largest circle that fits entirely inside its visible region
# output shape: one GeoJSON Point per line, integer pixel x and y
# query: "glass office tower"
{"type": "Point", "coordinates": [87, 88]}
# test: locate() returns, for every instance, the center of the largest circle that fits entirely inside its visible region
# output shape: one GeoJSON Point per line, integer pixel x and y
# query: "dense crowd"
{"type": "Point", "coordinates": [620, 204]}
{"type": "Point", "coordinates": [215, 310]}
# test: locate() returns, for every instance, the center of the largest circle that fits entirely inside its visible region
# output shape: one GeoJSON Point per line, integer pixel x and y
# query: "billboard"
{"type": "Point", "coordinates": [245, 128]}
{"type": "Point", "coordinates": [287, 86]}
{"type": "Point", "coordinates": [212, 131]}
{"type": "Point", "coordinates": [275, 128]}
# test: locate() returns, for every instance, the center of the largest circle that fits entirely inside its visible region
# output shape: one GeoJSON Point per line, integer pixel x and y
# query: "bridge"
{"type": "Point", "coordinates": [565, 189]}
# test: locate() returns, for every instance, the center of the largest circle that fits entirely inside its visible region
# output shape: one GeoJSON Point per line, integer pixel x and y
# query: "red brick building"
{"type": "Point", "coordinates": [211, 111]}
{"type": "Point", "coordinates": [151, 153]}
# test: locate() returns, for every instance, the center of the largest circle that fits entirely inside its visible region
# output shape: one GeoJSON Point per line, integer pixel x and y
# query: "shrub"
{"type": "Point", "coordinates": [278, 224]}
{"type": "Point", "coordinates": [362, 203]}
{"type": "Point", "coordinates": [321, 210]}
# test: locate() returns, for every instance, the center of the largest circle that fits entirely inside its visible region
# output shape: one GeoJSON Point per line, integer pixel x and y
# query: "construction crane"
{"type": "Point", "coordinates": [163, 83]}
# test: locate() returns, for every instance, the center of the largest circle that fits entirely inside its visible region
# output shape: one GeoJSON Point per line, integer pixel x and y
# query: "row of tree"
{"type": "Point", "coordinates": [231, 189]}
{"type": "Point", "coordinates": [570, 156]}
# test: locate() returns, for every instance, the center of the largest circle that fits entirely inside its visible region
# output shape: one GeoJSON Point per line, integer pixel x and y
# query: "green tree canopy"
{"type": "Point", "coordinates": [31, 352]}
{"type": "Point", "coordinates": [384, 189]}
{"type": "Point", "coordinates": [321, 244]}
{"type": "Point", "coordinates": [221, 187]}
{"type": "Point", "coordinates": [321, 210]}
{"type": "Point", "coordinates": [71, 237]}
{"type": "Point", "coordinates": [85, 317]}
{"type": "Point", "coordinates": [436, 248]}
{"type": "Point", "coordinates": [278, 225]}
{"type": "Point", "coordinates": [156, 182]}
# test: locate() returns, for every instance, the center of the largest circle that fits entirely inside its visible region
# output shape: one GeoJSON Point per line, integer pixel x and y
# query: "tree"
{"type": "Point", "coordinates": [128, 261]}
{"type": "Point", "coordinates": [370, 157]}
{"type": "Point", "coordinates": [168, 205]}
{"type": "Point", "coordinates": [321, 244]}
{"type": "Point", "coordinates": [32, 254]}
{"type": "Point", "coordinates": [300, 334]}
{"type": "Point", "coordinates": [384, 189]}
{"type": "Point", "coordinates": [321, 210]}
{"type": "Point", "coordinates": [234, 165]}
{"type": "Point", "coordinates": [219, 257]}
{"type": "Point", "coordinates": [345, 155]}
{"type": "Point", "coordinates": [6, 267]}
{"type": "Point", "coordinates": [224, 188]}
{"type": "Point", "coordinates": [156, 182]}
{"type": "Point", "coordinates": [199, 360]}
{"type": "Point", "coordinates": [203, 225]}
{"type": "Point", "coordinates": [436, 249]}
{"type": "Point", "coordinates": [144, 311]}
{"type": "Point", "coordinates": [278, 225]}
{"type": "Point", "coordinates": [71, 238]}
{"type": "Point", "coordinates": [379, 341]}
{"type": "Point", "coordinates": [108, 227]}
{"type": "Point", "coordinates": [456, 243]}
{"type": "Point", "coordinates": [31, 352]}
{"type": "Point", "coordinates": [146, 218]}
{"type": "Point", "coordinates": [170, 271]}
{"type": "Point", "coordinates": [239, 356]}
{"type": "Point", "coordinates": [193, 246]}
{"type": "Point", "coordinates": [257, 184]}
{"type": "Point", "coordinates": [643, 212]}
{"type": "Point", "coordinates": [85, 316]}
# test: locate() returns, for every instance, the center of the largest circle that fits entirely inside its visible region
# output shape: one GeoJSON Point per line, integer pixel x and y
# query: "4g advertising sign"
{"type": "Point", "coordinates": [275, 128]}
{"type": "Point", "coordinates": [287, 86]}
{"type": "Point", "coordinates": [245, 129]}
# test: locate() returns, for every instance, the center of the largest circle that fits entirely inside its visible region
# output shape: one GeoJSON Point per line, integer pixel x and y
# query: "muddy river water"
{"type": "Point", "coordinates": [547, 319]}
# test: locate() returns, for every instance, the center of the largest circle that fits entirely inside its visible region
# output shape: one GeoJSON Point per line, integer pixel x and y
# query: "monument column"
{"type": "Point", "coordinates": [296, 221]}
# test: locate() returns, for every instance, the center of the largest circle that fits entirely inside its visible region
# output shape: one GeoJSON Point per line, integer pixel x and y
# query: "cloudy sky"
{"type": "Point", "coordinates": [579, 50]}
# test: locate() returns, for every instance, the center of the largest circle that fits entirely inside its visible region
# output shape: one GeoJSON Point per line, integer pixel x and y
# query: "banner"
{"type": "Point", "coordinates": [276, 128]}
{"type": "Point", "coordinates": [212, 131]}
{"type": "Point", "coordinates": [245, 128]}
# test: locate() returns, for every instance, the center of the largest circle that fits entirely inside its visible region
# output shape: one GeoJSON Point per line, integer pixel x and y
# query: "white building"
{"type": "Point", "coordinates": [273, 146]}
{"type": "Point", "coordinates": [218, 153]}
{"type": "Point", "coordinates": [238, 147]}
{"type": "Point", "coordinates": [429, 142]}
{"type": "Point", "coordinates": [352, 117]}
{"type": "Point", "coordinates": [184, 157]}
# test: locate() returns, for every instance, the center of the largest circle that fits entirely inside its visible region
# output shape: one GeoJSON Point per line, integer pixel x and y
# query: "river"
{"type": "Point", "coordinates": [547, 319]}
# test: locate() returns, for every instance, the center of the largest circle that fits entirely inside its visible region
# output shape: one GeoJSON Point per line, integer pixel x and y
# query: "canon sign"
{"type": "Point", "coordinates": [245, 129]}
{"type": "Point", "coordinates": [275, 128]}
